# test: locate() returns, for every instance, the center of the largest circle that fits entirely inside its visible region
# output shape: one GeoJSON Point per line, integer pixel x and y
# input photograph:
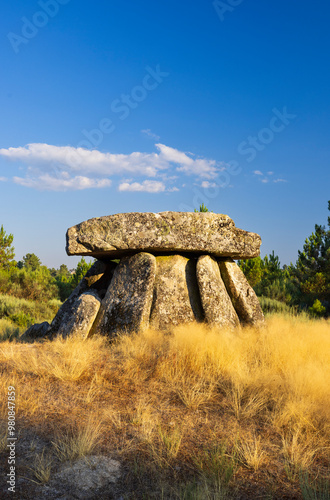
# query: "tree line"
{"type": "Point", "coordinates": [304, 285]}
{"type": "Point", "coordinates": [29, 279]}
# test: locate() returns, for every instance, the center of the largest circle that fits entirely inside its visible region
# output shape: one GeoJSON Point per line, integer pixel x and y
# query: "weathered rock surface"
{"type": "Point", "coordinates": [97, 278]}
{"type": "Point", "coordinates": [36, 331]}
{"type": "Point", "coordinates": [179, 232]}
{"type": "Point", "coordinates": [176, 299]}
{"type": "Point", "coordinates": [84, 312]}
{"type": "Point", "coordinates": [217, 305]}
{"type": "Point", "coordinates": [241, 293]}
{"type": "Point", "coordinates": [127, 303]}
{"type": "Point", "coordinates": [83, 479]}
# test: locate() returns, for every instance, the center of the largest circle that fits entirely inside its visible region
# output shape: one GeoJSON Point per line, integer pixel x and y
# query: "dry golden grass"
{"type": "Point", "coordinates": [66, 361]}
{"type": "Point", "coordinates": [298, 454]}
{"type": "Point", "coordinates": [79, 442]}
{"type": "Point", "coordinates": [250, 453]}
{"type": "Point", "coordinates": [175, 402]}
{"type": "Point", "coordinates": [42, 467]}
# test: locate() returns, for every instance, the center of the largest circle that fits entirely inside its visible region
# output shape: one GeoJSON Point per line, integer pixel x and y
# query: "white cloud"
{"type": "Point", "coordinates": [65, 167]}
{"type": "Point", "coordinates": [92, 161]}
{"type": "Point", "coordinates": [267, 179]}
{"type": "Point", "coordinates": [47, 182]}
{"type": "Point", "coordinates": [3, 179]}
{"type": "Point", "coordinates": [85, 161]}
{"type": "Point", "coordinates": [146, 186]}
{"type": "Point", "coordinates": [148, 132]}
{"type": "Point", "coordinates": [199, 167]}
{"type": "Point", "coordinates": [207, 184]}
{"type": "Point", "coordinates": [166, 177]}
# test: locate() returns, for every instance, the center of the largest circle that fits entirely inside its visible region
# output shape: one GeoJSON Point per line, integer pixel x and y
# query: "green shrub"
{"type": "Point", "coordinates": [317, 310]}
{"type": "Point", "coordinates": [24, 313]}
{"type": "Point", "coordinates": [81, 270]}
{"type": "Point", "coordinates": [27, 284]}
{"type": "Point", "coordinates": [53, 305]}
{"type": "Point", "coordinates": [22, 319]}
{"type": "Point", "coordinates": [8, 331]}
{"type": "Point", "coordinates": [273, 306]}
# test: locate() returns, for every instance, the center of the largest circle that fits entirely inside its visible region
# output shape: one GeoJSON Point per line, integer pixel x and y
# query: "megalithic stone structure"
{"type": "Point", "coordinates": [170, 268]}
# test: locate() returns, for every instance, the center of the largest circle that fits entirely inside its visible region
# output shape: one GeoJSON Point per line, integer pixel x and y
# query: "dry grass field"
{"type": "Point", "coordinates": [197, 414]}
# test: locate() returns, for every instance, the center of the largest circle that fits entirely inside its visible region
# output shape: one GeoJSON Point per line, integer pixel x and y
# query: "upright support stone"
{"type": "Point", "coordinates": [241, 293]}
{"type": "Point", "coordinates": [176, 298]}
{"type": "Point", "coordinates": [217, 305]}
{"type": "Point", "coordinates": [127, 303]}
{"type": "Point", "coordinates": [97, 278]}
{"type": "Point", "coordinates": [84, 312]}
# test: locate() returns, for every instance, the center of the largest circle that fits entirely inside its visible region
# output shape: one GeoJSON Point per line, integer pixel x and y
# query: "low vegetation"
{"type": "Point", "coordinates": [29, 279]}
{"type": "Point", "coordinates": [24, 313]}
{"type": "Point", "coordinates": [197, 414]}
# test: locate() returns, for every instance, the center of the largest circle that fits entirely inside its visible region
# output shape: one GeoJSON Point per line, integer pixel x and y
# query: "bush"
{"type": "Point", "coordinates": [276, 289]}
{"type": "Point", "coordinates": [65, 288]}
{"type": "Point", "coordinates": [8, 331]}
{"type": "Point", "coordinates": [272, 306]}
{"type": "Point", "coordinates": [317, 310]}
{"type": "Point", "coordinates": [27, 284]}
{"type": "Point", "coordinates": [21, 319]}
{"type": "Point", "coordinates": [24, 313]}
{"type": "Point", "coordinates": [81, 270]}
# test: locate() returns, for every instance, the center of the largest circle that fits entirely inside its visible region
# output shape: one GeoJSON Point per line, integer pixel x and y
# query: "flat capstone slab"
{"type": "Point", "coordinates": [199, 233]}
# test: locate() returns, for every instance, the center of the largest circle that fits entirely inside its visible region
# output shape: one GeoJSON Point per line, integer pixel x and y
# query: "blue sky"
{"type": "Point", "coordinates": [114, 106]}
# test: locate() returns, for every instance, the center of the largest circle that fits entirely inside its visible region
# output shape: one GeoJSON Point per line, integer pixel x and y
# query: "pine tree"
{"type": "Point", "coordinates": [31, 261]}
{"type": "Point", "coordinates": [81, 270]}
{"type": "Point", "coordinates": [202, 208]}
{"type": "Point", "coordinates": [312, 269]}
{"type": "Point", "coordinates": [7, 252]}
{"type": "Point", "coordinates": [253, 270]}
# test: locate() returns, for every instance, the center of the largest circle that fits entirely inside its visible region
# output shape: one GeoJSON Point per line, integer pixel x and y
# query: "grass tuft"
{"type": "Point", "coordinates": [42, 467]}
{"type": "Point", "coordinates": [77, 443]}
{"type": "Point", "coordinates": [250, 453]}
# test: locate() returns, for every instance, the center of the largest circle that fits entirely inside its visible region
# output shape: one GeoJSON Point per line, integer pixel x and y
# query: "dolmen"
{"type": "Point", "coordinates": [158, 270]}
